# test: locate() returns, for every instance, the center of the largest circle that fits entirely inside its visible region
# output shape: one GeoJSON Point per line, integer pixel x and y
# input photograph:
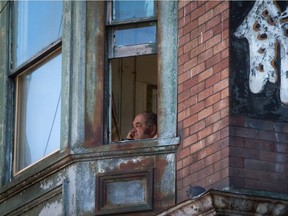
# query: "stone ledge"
{"type": "Point", "coordinates": [214, 202]}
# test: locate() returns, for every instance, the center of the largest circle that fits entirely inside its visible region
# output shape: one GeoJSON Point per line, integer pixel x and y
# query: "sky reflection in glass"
{"type": "Point", "coordinates": [125, 10]}
{"type": "Point", "coordinates": [40, 115]}
{"type": "Point", "coordinates": [135, 36]}
{"type": "Point", "coordinates": [37, 24]}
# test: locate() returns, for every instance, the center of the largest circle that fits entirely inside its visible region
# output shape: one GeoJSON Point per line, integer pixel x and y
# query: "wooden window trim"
{"type": "Point", "coordinates": [167, 72]}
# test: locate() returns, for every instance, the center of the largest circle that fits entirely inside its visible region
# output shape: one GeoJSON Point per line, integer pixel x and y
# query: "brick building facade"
{"type": "Point", "coordinates": [222, 147]}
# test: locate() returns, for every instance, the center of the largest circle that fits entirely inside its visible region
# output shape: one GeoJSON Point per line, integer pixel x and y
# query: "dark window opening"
{"type": "Point", "coordinates": [134, 90]}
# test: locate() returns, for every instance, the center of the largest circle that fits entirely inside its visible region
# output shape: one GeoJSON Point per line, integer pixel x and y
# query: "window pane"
{"type": "Point", "coordinates": [135, 36]}
{"type": "Point", "coordinates": [36, 25]}
{"type": "Point", "coordinates": [125, 10]}
{"type": "Point", "coordinates": [38, 109]}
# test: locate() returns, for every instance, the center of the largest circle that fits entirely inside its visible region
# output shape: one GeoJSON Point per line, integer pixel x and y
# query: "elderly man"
{"type": "Point", "coordinates": [144, 126]}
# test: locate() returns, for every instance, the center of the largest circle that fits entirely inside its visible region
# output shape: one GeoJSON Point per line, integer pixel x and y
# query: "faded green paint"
{"type": "Point", "coordinates": [74, 180]}
{"type": "Point", "coordinates": [66, 180]}
{"type": "Point", "coordinates": [167, 68]}
{"type": "Point", "coordinates": [6, 110]}
{"type": "Point", "coordinates": [73, 74]}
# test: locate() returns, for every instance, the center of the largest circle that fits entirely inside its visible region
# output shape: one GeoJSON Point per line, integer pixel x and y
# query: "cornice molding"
{"type": "Point", "coordinates": [215, 202]}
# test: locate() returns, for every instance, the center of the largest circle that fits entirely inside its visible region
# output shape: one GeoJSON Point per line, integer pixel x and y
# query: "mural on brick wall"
{"type": "Point", "coordinates": [259, 57]}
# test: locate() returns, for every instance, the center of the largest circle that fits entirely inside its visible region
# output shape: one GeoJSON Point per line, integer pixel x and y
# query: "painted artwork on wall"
{"type": "Point", "coordinates": [259, 59]}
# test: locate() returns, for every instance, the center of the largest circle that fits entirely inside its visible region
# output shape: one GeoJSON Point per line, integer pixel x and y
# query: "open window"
{"type": "Point", "coordinates": [134, 90]}
{"type": "Point", "coordinates": [133, 68]}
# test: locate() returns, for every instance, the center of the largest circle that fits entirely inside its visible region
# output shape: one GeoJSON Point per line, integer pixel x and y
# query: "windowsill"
{"type": "Point", "coordinates": [59, 160]}
{"type": "Point", "coordinates": [116, 149]}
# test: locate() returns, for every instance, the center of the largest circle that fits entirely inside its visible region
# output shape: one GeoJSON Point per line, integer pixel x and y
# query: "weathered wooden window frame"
{"type": "Point", "coordinates": [132, 50]}
{"type": "Point", "coordinates": [72, 66]}
{"type": "Point", "coordinates": [43, 56]}
{"type": "Point", "coordinates": [167, 70]}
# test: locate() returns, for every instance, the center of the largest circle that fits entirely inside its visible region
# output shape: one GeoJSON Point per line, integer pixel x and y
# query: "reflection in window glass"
{"type": "Point", "coordinates": [38, 105]}
{"type": "Point", "coordinates": [135, 36]}
{"type": "Point", "coordinates": [36, 25]}
{"type": "Point", "coordinates": [125, 10]}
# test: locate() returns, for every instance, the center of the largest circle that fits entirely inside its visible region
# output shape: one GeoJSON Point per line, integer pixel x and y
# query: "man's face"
{"type": "Point", "coordinates": [140, 129]}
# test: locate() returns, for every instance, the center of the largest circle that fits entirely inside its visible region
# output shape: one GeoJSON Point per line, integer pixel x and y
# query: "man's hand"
{"type": "Point", "coordinates": [131, 134]}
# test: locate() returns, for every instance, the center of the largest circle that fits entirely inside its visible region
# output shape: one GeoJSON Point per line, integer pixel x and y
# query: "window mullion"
{"type": "Point", "coordinates": [6, 97]}
{"type": "Point", "coordinates": [167, 69]}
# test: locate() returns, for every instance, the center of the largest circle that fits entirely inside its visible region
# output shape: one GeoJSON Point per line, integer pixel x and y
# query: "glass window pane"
{"type": "Point", "coordinates": [135, 36]}
{"type": "Point", "coordinates": [125, 10]}
{"type": "Point", "coordinates": [36, 24]}
{"type": "Point", "coordinates": [38, 110]}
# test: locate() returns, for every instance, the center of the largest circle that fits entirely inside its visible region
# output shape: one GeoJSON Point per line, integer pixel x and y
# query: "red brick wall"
{"type": "Point", "coordinates": [218, 150]}
{"type": "Point", "coordinates": [203, 95]}
{"type": "Point", "coordinates": [258, 155]}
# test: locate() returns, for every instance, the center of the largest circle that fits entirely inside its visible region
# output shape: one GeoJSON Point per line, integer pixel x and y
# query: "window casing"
{"type": "Point", "coordinates": [164, 49]}
{"type": "Point", "coordinates": [132, 29]}
{"type": "Point", "coordinates": [36, 63]}
{"type": "Point", "coordinates": [132, 53]}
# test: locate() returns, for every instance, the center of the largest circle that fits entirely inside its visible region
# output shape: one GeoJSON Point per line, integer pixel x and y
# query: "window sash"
{"type": "Point", "coordinates": [110, 21]}
{"type": "Point", "coordinates": [38, 108]}
{"type": "Point", "coordinates": [146, 45]}
{"type": "Point", "coordinates": [134, 36]}
{"type": "Point", "coordinates": [141, 46]}
{"type": "Point", "coordinates": [29, 19]}
{"type": "Point", "coordinates": [136, 50]}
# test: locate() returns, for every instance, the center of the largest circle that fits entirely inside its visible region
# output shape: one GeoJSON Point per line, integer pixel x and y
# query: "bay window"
{"type": "Point", "coordinates": [36, 71]}
{"type": "Point", "coordinates": [73, 76]}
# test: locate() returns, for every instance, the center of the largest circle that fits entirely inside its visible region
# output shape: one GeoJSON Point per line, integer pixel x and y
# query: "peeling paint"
{"type": "Point", "coordinates": [46, 184]}
{"type": "Point", "coordinates": [168, 174]}
{"type": "Point", "coordinates": [55, 207]}
{"type": "Point", "coordinates": [51, 182]}
{"type": "Point", "coordinates": [130, 163]}
{"type": "Point", "coordinates": [265, 28]}
{"type": "Point", "coordinates": [104, 166]}
{"type": "Point", "coordinates": [68, 185]}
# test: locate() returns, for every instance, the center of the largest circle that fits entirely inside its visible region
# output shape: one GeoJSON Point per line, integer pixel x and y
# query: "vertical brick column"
{"type": "Point", "coordinates": [203, 95]}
